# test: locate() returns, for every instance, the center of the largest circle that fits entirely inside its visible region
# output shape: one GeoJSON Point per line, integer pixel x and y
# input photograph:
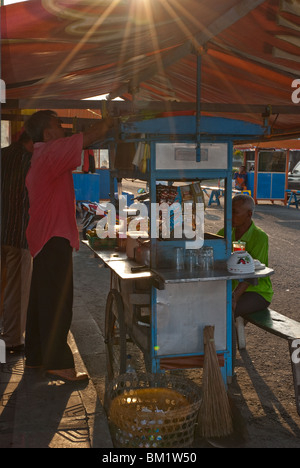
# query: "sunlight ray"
{"type": "Point", "coordinates": [59, 70]}
{"type": "Point", "coordinates": [202, 28]}
{"type": "Point", "coordinates": [173, 14]}
{"type": "Point", "coordinates": [154, 37]}
{"type": "Point", "coordinates": [125, 42]}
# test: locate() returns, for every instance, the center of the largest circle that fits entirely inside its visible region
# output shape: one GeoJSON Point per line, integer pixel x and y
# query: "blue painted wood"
{"type": "Point", "coordinates": [104, 184]}
{"type": "Point", "coordinates": [270, 185]}
{"type": "Point", "coordinates": [87, 187]}
{"type": "Point", "coordinates": [278, 186]}
{"type": "Point", "coordinates": [294, 198]}
{"type": "Point", "coordinates": [186, 125]}
{"type": "Point", "coordinates": [263, 185]}
{"type": "Point", "coordinates": [215, 197]}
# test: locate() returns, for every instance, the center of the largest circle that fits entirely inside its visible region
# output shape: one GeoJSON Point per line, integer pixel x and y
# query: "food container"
{"type": "Point", "coordinates": [237, 246]}
{"type": "Point", "coordinates": [102, 244]}
{"type": "Point", "coordinates": [142, 253]}
{"type": "Point", "coordinates": [132, 242]}
{"type": "Point", "coordinates": [240, 262]}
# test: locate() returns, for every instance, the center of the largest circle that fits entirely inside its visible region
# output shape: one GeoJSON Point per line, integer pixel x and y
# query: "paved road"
{"type": "Point", "coordinates": [263, 389]}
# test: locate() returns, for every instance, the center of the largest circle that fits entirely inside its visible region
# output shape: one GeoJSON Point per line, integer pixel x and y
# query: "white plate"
{"type": "Point", "coordinates": [242, 271]}
{"type": "Point", "coordinates": [258, 265]}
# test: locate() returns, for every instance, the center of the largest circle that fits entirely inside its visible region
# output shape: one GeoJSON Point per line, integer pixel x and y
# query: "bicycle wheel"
{"type": "Point", "coordinates": [115, 335]}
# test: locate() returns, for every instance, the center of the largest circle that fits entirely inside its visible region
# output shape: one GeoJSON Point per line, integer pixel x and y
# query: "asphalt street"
{"type": "Point", "coordinates": [263, 389]}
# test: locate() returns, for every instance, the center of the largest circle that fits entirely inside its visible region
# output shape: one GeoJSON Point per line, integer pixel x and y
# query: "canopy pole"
{"type": "Point", "coordinates": [199, 53]}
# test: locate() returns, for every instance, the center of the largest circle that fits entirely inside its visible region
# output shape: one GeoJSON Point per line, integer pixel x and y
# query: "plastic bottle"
{"type": "Point", "coordinates": [129, 368]}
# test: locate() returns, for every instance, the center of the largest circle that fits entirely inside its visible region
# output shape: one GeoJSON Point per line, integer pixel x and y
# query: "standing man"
{"type": "Point", "coordinates": [52, 235]}
{"type": "Point", "coordinates": [16, 261]}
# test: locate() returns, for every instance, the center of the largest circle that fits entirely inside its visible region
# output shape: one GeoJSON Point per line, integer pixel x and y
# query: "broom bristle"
{"type": "Point", "coordinates": [215, 419]}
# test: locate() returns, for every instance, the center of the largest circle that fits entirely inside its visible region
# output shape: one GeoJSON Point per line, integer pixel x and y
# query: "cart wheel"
{"type": "Point", "coordinates": [115, 335]}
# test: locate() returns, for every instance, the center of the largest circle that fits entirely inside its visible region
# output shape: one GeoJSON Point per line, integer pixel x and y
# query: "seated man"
{"type": "Point", "coordinates": [241, 179]}
{"type": "Point", "coordinates": [247, 298]}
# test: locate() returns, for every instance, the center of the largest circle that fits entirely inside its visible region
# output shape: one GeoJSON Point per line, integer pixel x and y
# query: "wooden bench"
{"type": "Point", "coordinates": [283, 327]}
{"type": "Point", "coordinates": [294, 197]}
{"type": "Point", "coordinates": [215, 194]}
{"type": "Point", "coordinates": [218, 192]}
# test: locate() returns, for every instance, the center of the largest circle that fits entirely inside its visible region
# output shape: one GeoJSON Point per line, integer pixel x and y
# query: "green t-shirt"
{"type": "Point", "coordinates": [257, 245]}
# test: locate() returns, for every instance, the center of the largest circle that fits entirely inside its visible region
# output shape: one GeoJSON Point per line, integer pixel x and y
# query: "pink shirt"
{"type": "Point", "coordinates": [51, 192]}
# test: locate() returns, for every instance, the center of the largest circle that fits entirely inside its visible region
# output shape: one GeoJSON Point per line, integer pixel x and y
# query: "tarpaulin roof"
{"type": "Point", "coordinates": [250, 53]}
{"type": "Point", "coordinates": [281, 144]}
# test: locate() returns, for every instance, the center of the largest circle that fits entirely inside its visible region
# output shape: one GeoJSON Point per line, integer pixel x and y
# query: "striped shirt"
{"type": "Point", "coordinates": [15, 163]}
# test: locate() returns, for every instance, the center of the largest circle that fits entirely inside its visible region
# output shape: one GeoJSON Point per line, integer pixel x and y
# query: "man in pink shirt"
{"type": "Point", "coordinates": [52, 234]}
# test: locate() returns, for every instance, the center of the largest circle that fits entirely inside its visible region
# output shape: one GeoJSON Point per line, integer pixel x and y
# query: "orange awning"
{"type": "Point", "coordinates": [281, 144]}
{"type": "Point", "coordinates": [250, 49]}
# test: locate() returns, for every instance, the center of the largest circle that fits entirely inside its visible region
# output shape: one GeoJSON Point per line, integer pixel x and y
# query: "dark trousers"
{"type": "Point", "coordinates": [50, 306]}
{"type": "Point", "coordinates": [250, 302]}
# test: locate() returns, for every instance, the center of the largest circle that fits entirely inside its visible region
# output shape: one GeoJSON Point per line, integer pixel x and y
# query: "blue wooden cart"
{"type": "Point", "coordinates": [162, 310]}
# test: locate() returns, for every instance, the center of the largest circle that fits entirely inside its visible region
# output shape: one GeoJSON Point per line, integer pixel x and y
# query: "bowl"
{"type": "Point", "coordinates": [240, 262]}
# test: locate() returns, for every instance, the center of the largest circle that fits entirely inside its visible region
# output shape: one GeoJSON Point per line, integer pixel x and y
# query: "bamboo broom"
{"type": "Point", "coordinates": [215, 419]}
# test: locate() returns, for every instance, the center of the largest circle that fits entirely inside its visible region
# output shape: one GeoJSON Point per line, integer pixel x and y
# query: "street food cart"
{"type": "Point", "coordinates": [160, 308]}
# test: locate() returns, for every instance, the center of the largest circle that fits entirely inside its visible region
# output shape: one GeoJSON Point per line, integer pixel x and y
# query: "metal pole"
{"type": "Point", "coordinates": [198, 114]}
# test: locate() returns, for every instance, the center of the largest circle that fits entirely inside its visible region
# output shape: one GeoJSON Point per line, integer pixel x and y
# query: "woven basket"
{"type": "Point", "coordinates": [153, 410]}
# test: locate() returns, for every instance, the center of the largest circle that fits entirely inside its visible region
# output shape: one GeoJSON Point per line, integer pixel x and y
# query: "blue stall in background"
{"type": "Point", "coordinates": [96, 187]}
{"type": "Point", "coordinates": [92, 187]}
{"type": "Point", "coordinates": [270, 186]}
{"type": "Point", "coordinates": [268, 180]}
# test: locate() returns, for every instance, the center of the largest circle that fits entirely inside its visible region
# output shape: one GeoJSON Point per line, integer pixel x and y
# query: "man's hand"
{"type": "Point", "coordinates": [98, 131]}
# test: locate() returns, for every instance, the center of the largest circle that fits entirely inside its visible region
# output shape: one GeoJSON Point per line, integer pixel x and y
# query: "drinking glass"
{"type": "Point", "coordinates": [179, 258]}
{"type": "Point", "coordinates": [206, 258]}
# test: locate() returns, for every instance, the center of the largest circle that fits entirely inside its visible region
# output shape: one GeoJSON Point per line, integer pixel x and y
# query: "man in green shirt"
{"type": "Point", "coordinates": [247, 298]}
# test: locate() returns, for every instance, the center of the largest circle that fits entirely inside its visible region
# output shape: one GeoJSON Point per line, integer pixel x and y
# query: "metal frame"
{"type": "Point", "coordinates": [184, 130]}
